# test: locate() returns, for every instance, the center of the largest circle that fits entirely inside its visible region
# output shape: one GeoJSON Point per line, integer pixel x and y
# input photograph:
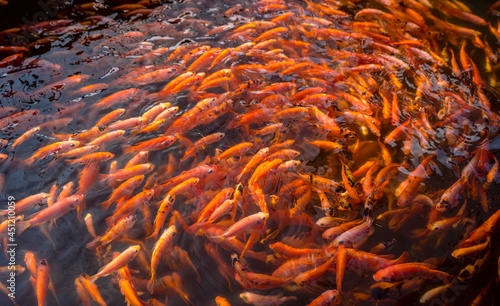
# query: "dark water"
{"type": "Point", "coordinates": [68, 256]}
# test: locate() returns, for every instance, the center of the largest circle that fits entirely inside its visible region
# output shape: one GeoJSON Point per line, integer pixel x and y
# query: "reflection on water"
{"type": "Point", "coordinates": [323, 143]}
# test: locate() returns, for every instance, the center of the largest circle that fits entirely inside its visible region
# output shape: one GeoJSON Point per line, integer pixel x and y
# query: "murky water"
{"type": "Point", "coordinates": [80, 47]}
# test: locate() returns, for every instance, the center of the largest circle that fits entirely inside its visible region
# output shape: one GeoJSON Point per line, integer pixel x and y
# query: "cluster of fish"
{"type": "Point", "coordinates": [316, 152]}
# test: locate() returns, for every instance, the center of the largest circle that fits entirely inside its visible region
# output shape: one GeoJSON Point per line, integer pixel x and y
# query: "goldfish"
{"type": "Point", "coordinates": [121, 260]}
{"type": "Point", "coordinates": [163, 245]}
{"type": "Point", "coordinates": [125, 189]}
{"type": "Point", "coordinates": [165, 207]}
{"type": "Point", "coordinates": [52, 149]}
{"type": "Point", "coordinates": [154, 144]}
{"type": "Point", "coordinates": [407, 270]}
{"type": "Point", "coordinates": [30, 201]}
{"type": "Point", "coordinates": [42, 281]}
{"type": "Point", "coordinates": [257, 299]}
{"type": "Point", "coordinates": [245, 224]}
{"type": "Point", "coordinates": [112, 233]}
{"type": "Point", "coordinates": [326, 298]}
{"type": "Point", "coordinates": [119, 97]}
{"type": "Point", "coordinates": [127, 173]}
{"type": "Point", "coordinates": [57, 210]}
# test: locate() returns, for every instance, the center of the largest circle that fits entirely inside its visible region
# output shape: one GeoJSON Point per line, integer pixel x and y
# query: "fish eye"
{"type": "Point", "coordinates": [210, 170]}
{"type": "Point", "coordinates": [72, 145]}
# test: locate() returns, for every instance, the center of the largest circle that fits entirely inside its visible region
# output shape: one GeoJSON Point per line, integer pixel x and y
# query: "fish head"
{"type": "Point", "coordinates": [135, 249]}
{"type": "Point", "coordinates": [443, 205]}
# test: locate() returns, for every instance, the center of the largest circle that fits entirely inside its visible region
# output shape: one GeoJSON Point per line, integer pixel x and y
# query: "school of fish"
{"type": "Point", "coordinates": [264, 152]}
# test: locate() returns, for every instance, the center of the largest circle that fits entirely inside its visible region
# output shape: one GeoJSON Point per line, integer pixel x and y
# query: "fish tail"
{"type": "Point", "coordinates": [105, 205]}
{"type": "Point", "coordinates": [444, 277]}
{"type": "Point", "coordinates": [186, 156]}
{"type": "Point", "coordinates": [92, 245]}
{"type": "Point", "coordinates": [60, 137]}
{"type": "Point", "coordinates": [109, 220]}
{"type": "Point", "coordinates": [151, 282]}
{"type": "Point", "coordinates": [71, 161]}
{"type": "Point", "coordinates": [29, 161]}
{"type": "Point", "coordinates": [23, 225]}
{"type": "Point", "coordinates": [154, 235]}
{"type": "Point", "coordinates": [184, 141]}
{"type": "Point", "coordinates": [127, 149]}
{"type": "Point", "coordinates": [193, 228]}
{"type": "Point", "coordinates": [238, 178]}
{"type": "Point", "coordinates": [102, 178]}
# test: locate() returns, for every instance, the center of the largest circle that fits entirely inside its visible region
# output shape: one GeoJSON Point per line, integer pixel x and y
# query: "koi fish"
{"type": "Point", "coordinates": [121, 260]}
{"type": "Point", "coordinates": [409, 270]}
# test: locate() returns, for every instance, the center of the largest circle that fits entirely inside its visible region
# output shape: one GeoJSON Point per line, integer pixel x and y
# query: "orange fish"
{"type": "Point", "coordinates": [165, 207]}
{"type": "Point", "coordinates": [52, 212]}
{"type": "Point", "coordinates": [124, 190]}
{"type": "Point", "coordinates": [409, 270]}
{"type": "Point", "coordinates": [245, 224]}
{"type": "Point", "coordinates": [202, 143]}
{"type": "Point", "coordinates": [92, 158]}
{"type": "Point", "coordinates": [112, 233]}
{"type": "Point", "coordinates": [162, 246]}
{"type": "Point", "coordinates": [154, 144]}
{"type": "Point", "coordinates": [42, 282]}
{"type": "Point", "coordinates": [52, 149]}
{"type": "Point", "coordinates": [127, 173]}
{"type": "Point", "coordinates": [121, 260]}
{"type": "Point", "coordinates": [119, 97]}
{"type": "Point", "coordinates": [326, 298]}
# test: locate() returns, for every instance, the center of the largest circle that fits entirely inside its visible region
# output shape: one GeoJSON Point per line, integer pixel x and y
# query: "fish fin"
{"type": "Point", "coordinates": [127, 149]}
{"type": "Point", "coordinates": [218, 239]}
{"type": "Point", "coordinates": [387, 256]}
{"type": "Point", "coordinates": [154, 235]}
{"type": "Point", "coordinates": [151, 282]}
{"type": "Point", "coordinates": [419, 233]}
{"type": "Point", "coordinates": [108, 221]}
{"type": "Point", "coordinates": [93, 278]}
{"type": "Point", "coordinates": [193, 228]}
{"type": "Point", "coordinates": [105, 205]}
{"type": "Point", "coordinates": [29, 161]}
{"type": "Point", "coordinates": [184, 141]}
{"type": "Point", "coordinates": [71, 161]}
{"type": "Point", "coordinates": [45, 229]}
{"type": "Point", "coordinates": [445, 277]}
{"type": "Point", "coordinates": [23, 225]}
{"type": "Point", "coordinates": [53, 291]}
{"type": "Point", "coordinates": [238, 178]}
{"type": "Point", "coordinates": [403, 258]}
{"type": "Point", "coordinates": [93, 244]}
{"type": "Point", "coordinates": [102, 178]}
